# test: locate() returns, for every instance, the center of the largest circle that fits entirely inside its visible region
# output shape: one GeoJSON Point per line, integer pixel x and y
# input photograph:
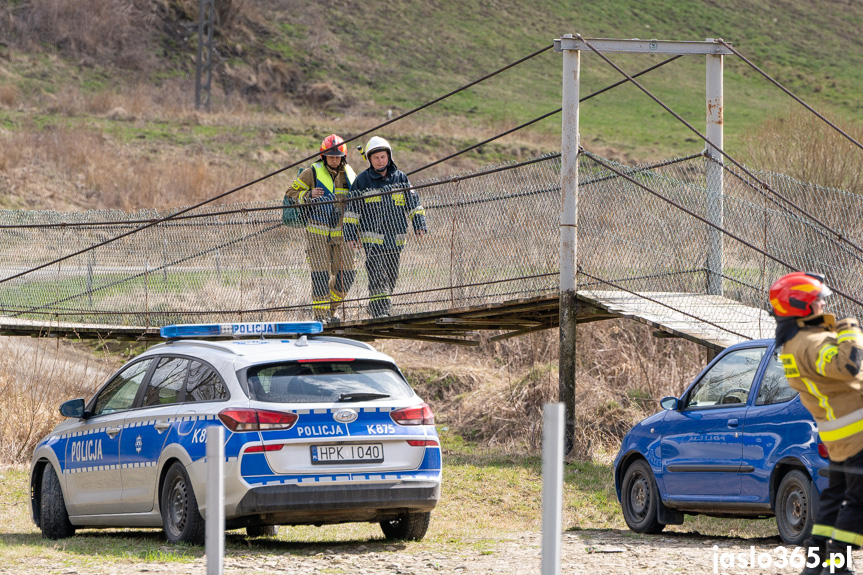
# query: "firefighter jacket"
{"type": "Point", "coordinates": [378, 218]}
{"type": "Point", "coordinates": [822, 361]}
{"type": "Point", "coordinates": [323, 219]}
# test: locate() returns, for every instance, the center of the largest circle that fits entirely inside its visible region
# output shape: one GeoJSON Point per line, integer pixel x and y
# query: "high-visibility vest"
{"type": "Point", "coordinates": [324, 179]}
{"type": "Point", "coordinates": [325, 219]}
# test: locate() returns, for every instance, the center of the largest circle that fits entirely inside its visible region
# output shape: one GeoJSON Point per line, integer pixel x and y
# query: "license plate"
{"type": "Point", "coordinates": [353, 453]}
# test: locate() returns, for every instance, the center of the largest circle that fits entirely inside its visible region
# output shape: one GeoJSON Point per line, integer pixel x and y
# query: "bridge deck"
{"type": "Point", "coordinates": [710, 320]}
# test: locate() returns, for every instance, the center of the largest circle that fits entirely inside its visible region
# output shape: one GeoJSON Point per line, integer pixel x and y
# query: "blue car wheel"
{"type": "Point", "coordinates": [640, 499]}
{"type": "Point", "coordinates": [794, 512]}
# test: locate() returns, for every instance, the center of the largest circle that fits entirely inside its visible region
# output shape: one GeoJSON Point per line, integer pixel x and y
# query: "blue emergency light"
{"type": "Point", "coordinates": [241, 329]}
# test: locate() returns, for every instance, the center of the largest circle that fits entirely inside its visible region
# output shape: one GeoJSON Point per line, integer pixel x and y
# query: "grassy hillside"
{"type": "Point", "coordinates": [288, 72]}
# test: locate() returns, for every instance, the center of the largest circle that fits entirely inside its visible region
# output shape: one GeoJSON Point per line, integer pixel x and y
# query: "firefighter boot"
{"type": "Point", "coordinates": [837, 556]}
{"type": "Point", "coordinates": [816, 548]}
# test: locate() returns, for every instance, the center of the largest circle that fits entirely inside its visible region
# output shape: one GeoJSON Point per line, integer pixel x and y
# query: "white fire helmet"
{"type": "Point", "coordinates": [376, 144]}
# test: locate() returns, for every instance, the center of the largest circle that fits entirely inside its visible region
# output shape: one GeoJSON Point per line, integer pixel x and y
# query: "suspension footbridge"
{"type": "Point", "coordinates": [489, 262]}
{"type": "Point", "coordinates": [688, 246]}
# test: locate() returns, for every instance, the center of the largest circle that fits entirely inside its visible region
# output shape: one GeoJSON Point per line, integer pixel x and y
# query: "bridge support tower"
{"type": "Point", "coordinates": [571, 48]}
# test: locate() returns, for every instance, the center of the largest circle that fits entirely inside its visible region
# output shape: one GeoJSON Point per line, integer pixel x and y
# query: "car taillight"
{"type": "Point", "coordinates": [257, 419]}
{"type": "Point", "coordinates": [422, 442]}
{"type": "Point", "coordinates": [417, 415]}
{"type": "Point", "coordinates": [263, 448]}
{"type": "Point", "coordinates": [822, 451]}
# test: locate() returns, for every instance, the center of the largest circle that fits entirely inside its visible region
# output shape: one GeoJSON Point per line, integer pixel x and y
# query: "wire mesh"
{"type": "Point", "coordinates": [492, 237]}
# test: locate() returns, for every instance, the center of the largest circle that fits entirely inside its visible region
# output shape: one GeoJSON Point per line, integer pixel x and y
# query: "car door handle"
{"type": "Point", "coordinates": [112, 431]}
{"type": "Point", "coordinates": [161, 425]}
{"type": "Point", "coordinates": [733, 423]}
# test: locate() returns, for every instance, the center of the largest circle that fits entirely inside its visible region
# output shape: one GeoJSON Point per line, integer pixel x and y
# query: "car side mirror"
{"type": "Point", "coordinates": [73, 408]}
{"type": "Point", "coordinates": [669, 403]}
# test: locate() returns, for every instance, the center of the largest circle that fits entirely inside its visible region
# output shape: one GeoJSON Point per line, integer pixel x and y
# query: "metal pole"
{"type": "Point", "coordinates": [569, 238]}
{"type": "Point", "coordinates": [204, 62]}
{"type": "Point", "coordinates": [715, 173]}
{"type": "Point", "coordinates": [552, 486]}
{"type": "Point", "coordinates": [215, 520]}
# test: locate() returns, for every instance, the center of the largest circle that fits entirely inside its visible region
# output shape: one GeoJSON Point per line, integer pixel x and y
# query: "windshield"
{"type": "Point", "coordinates": [326, 381]}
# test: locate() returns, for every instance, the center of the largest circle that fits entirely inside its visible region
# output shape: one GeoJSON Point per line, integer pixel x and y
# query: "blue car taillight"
{"type": "Point", "coordinates": [822, 451]}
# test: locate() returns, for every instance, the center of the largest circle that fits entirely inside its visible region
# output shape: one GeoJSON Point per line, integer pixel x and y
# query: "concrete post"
{"type": "Point", "coordinates": [569, 238]}
{"type": "Point", "coordinates": [552, 486]}
{"type": "Point", "coordinates": [214, 523]}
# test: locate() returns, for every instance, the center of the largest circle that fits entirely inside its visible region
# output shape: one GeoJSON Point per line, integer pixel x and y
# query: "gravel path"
{"type": "Point", "coordinates": [600, 552]}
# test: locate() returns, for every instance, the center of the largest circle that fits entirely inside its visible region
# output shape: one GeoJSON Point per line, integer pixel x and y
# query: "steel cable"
{"type": "Point", "coordinates": [790, 93]}
{"type": "Point", "coordinates": [704, 220]}
{"type": "Point", "coordinates": [280, 170]}
{"type": "Point", "coordinates": [302, 206]}
{"type": "Point", "coordinates": [839, 237]}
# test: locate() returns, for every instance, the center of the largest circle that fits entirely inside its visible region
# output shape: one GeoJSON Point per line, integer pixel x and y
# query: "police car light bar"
{"type": "Point", "coordinates": [240, 329]}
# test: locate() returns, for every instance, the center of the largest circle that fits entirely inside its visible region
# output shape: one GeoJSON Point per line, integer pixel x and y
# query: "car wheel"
{"type": "Point", "coordinates": [794, 512]}
{"type": "Point", "coordinates": [53, 517]}
{"type": "Point", "coordinates": [262, 530]}
{"type": "Point", "coordinates": [640, 499]}
{"type": "Point", "coordinates": [180, 516]}
{"type": "Point", "coordinates": [407, 526]}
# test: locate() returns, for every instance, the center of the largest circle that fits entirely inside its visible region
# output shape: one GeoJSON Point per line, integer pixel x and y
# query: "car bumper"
{"type": "Point", "coordinates": [295, 504]}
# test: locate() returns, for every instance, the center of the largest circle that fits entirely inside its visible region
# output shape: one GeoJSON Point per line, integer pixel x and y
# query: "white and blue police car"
{"type": "Point", "coordinates": [318, 430]}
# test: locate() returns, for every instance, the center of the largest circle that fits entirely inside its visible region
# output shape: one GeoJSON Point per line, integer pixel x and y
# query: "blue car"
{"type": "Point", "coordinates": [737, 443]}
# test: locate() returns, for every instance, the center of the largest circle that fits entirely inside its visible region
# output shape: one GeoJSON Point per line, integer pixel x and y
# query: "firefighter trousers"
{"type": "Point", "coordinates": [333, 270]}
{"type": "Point", "coordinates": [840, 508]}
{"type": "Point", "coordinates": [382, 266]}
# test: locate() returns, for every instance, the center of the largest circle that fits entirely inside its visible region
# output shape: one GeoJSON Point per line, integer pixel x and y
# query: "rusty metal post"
{"type": "Point", "coordinates": [568, 236]}
{"type": "Point", "coordinates": [715, 172]}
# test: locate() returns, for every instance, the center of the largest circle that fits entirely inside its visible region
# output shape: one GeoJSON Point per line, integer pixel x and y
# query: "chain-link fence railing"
{"type": "Point", "coordinates": [492, 236]}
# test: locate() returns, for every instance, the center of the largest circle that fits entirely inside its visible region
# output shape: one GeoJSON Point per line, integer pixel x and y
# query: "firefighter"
{"type": "Point", "coordinates": [379, 221]}
{"type": "Point", "coordinates": [325, 186]}
{"type": "Point", "coordinates": [822, 360]}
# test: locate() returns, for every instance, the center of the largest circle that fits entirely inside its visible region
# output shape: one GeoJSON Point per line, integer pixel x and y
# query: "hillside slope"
{"type": "Point", "coordinates": [289, 72]}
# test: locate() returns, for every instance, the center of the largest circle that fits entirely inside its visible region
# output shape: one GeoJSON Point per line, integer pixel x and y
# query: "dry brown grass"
{"type": "Point", "coordinates": [8, 95]}
{"type": "Point", "coordinates": [36, 376]}
{"type": "Point", "coordinates": [75, 164]}
{"type": "Point", "coordinates": [804, 147]}
{"type": "Point", "coordinates": [494, 395]}
{"type": "Point", "coordinates": [98, 30]}
{"type": "Point", "coordinates": [78, 168]}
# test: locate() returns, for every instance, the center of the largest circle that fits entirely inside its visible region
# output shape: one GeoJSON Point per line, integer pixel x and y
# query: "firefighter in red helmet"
{"type": "Point", "coordinates": [822, 360]}
{"type": "Point", "coordinates": [325, 186]}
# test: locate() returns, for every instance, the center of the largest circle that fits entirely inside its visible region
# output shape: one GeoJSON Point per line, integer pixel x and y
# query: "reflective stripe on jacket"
{"type": "Point", "coordinates": [378, 218]}
{"type": "Point", "coordinates": [823, 362]}
{"type": "Point", "coordinates": [324, 219]}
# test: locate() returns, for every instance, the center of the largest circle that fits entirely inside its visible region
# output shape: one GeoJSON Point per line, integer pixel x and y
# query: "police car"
{"type": "Point", "coordinates": [318, 430]}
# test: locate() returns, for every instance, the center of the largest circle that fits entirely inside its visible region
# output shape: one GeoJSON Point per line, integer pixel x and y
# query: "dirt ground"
{"type": "Point", "coordinates": [606, 552]}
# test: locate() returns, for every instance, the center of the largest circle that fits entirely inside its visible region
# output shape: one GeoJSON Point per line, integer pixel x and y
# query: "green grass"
{"type": "Point", "coordinates": [421, 51]}
{"type": "Point", "coordinates": [804, 44]}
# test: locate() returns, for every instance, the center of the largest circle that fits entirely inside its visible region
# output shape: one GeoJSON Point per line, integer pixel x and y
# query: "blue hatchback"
{"type": "Point", "coordinates": [737, 443]}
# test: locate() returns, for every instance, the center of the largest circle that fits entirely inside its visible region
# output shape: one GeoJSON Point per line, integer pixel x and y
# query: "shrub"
{"type": "Point", "coordinates": [799, 144]}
